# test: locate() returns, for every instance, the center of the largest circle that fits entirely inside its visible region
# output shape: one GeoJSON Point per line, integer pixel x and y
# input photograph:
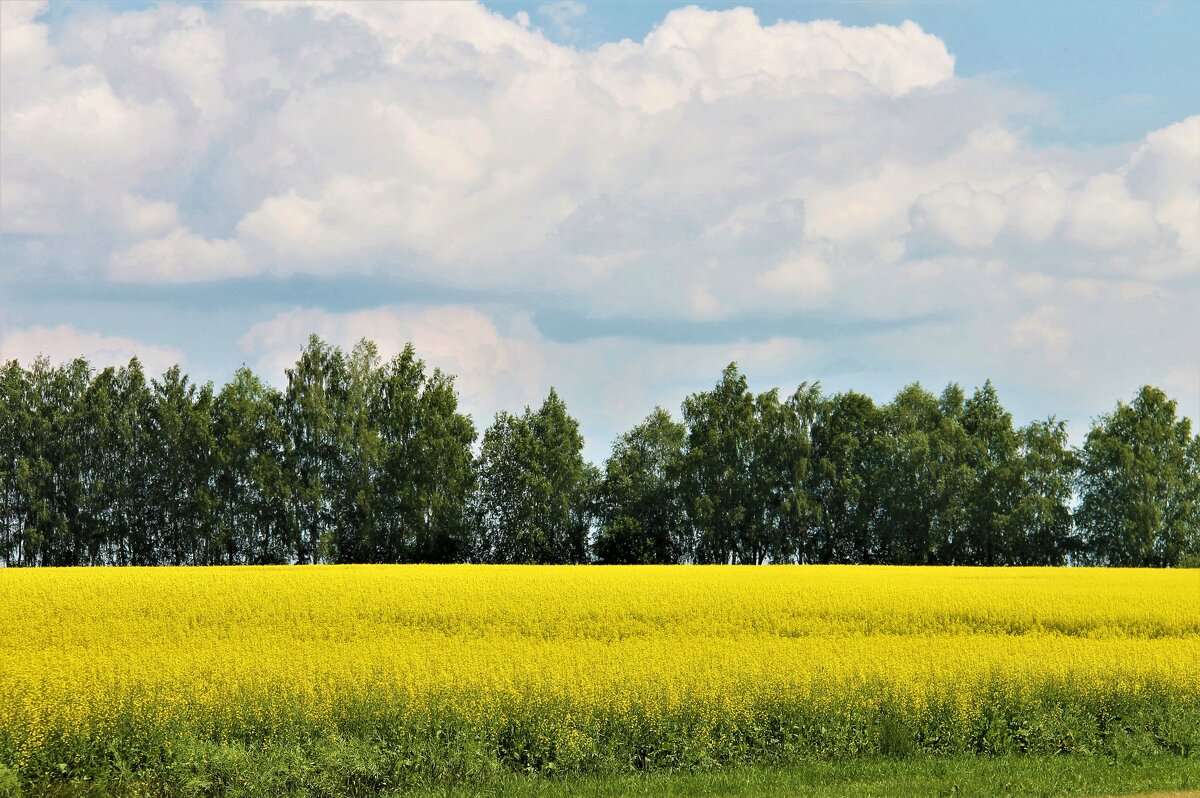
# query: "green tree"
{"type": "Point", "coordinates": [310, 421]}
{"type": "Point", "coordinates": [48, 467]}
{"type": "Point", "coordinates": [444, 441]}
{"type": "Point", "coordinates": [251, 485]}
{"type": "Point", "coordinates": [846, 432]}
{"type": "Point", "coordinates": [745, 465]}
{"type": "Point", "coordinates": [67, 450]}
{"type": "Point", "coordinates": [1040, 526]}
{"type": "Point", "coordinates": [128, 471]}
{"type": "Point", "coordinates": [15, 419]}
{"type": "Point", "coordinates": [719, 448]}
{"type": "Point", "coordinates": [906, 479]}
{"type": "Point", "coordinates": [923, 478]}
{"type": "Point", "coordinates": [996, 486]}
{"type": "Point", "coordinates": [182, 464]}
{"type": "Point", "coordinates": [534, 488]}
{"type": "Point", "coordinates": [97, 414]}
{"type": "Point", "coordinates": [781, 509]}
{"type": "Point", "coordinates": [357, 450]}
{"type": "Point", "coordinates": [426, 476]}
{"type": "Point", "coordinates": [637, 502]}
{"type": "Point", "coordinates": [1140, 485]}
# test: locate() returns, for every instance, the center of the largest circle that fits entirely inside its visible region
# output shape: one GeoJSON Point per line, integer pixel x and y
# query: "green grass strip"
{"type": "Point", "coordinates": [280, 771]}
{"type": "Point", "coordinates": [986, 777]}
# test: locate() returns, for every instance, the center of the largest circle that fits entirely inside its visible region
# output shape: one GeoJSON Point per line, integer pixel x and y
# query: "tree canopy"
{"type": "Point", "coordinates": [354, 459]}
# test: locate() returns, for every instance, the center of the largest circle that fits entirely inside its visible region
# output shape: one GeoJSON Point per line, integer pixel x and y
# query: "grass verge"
{"type": "Point", "coordinates": [1017, 776]}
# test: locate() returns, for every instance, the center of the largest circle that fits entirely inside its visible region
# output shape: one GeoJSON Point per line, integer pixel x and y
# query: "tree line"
{"type": "Point", "coordinates": [361, 460]}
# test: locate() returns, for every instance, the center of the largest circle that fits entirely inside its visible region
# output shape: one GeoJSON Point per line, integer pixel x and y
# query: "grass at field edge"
{"type": "Point", "coordinates": [1015, 776]}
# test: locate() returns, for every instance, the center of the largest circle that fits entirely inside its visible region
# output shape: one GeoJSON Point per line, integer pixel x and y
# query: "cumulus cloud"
{"type": "Point", "coordinates": [1035, 208]}
{"type": "Point", "coordinates": [91, 121]}
{"type": "Point", "coordinates": [143, 217]}
{"type": "Point", "coordinates": [719, 170]}
{"type": "Point", "coordinates": [960, 215]}
{"type": "Point", "coordinates": [64, 343]}
{"type": "Point", "coordinates": [804, 281]}
{"type": "Point", "coordinates": [446, 142]}
{"type": "Point", "coordinates": [441, 140]}
{"type": "Point", "coordinates": [181, 256]}
{"type": "Point", "coordinates": [1104, 214]}
{"type": "Point", "coordinates": [1139, 218]}
{"type": "Point", "coordinates": [1165, 170]}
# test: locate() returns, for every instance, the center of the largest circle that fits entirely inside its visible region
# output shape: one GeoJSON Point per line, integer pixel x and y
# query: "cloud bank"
{"type": "Point", "coordinates": [720, 170]}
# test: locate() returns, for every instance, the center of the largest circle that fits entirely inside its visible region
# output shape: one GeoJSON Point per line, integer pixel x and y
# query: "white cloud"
{"type": "Point", "coordinates": [179, 257]}
{"type": "Point", "coordinates": [960, 215]}
{"type": "Point", "coordinates": [350, 218]}
{"type": "Point", "coordinates": [100, 113]}
{"type": "Point", "coordinates": [445, 142]}
{"type": "Point", "coordinates": [1035, 285]}
{"type": "Point", "coordinates": [145, 217]}
{"type": "Point", "coordinates": [720, 169]}
{"type": "Point", "coordinates": [1105, 215]}
{"type": "Point", "coordinates": [451, 141]}
{"type": "Point", "coordinates": [1168, 162]}
{"type": "Point", "coordinates": [1036, 207]}
{"type": "Point", "coordinates": [24, 45]}
{"type": "Point", "coordinates": [803, 281]}
{"type": "Point", "coordinates": [64, 343]}
{"type": "Point", "coordinates": [87, 131]}
{"type": "Point", "coordinates": [1165, 170]}
{"type": "Point", "coordinates": [715, 54]}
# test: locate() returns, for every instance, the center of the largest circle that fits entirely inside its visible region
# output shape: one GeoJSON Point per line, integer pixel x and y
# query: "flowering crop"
{"type": "Point", "coordinates": [578, 667]}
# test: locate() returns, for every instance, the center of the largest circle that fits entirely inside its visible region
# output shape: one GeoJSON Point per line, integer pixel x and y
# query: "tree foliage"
{"type": "Point", "coordinates": [1140, 485]}
{"type": "Point", "coordinates": [354, 459]}
{"type": "Point", "coordinates": [637, 504]}
{"type": "Point", "coordinates": [532, 504]}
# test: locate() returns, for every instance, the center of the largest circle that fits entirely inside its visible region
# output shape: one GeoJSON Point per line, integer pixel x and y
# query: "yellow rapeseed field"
{"type": "Point", "coordinates": [563, 663]}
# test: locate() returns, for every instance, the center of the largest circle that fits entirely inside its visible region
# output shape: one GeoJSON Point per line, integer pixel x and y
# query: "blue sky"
{"type": "Point", "coordinates": [821, 191]}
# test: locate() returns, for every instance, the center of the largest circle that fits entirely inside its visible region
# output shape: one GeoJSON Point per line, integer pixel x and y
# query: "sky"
{"type": "Point", "coordinates": [616, 199]}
